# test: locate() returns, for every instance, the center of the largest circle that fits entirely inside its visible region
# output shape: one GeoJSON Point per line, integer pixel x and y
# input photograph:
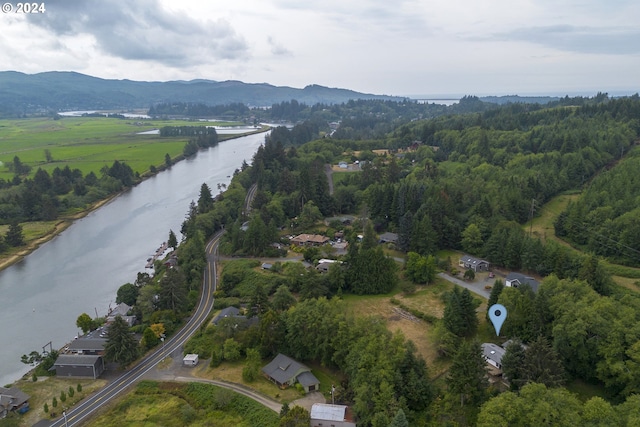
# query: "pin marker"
{"type": "Point", "coordinates": [497, 314]}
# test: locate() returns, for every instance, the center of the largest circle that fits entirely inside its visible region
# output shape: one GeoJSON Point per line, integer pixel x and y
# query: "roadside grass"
{"type": "Point", "coordinates": [178, 404]}
{"type": "Point", "coordinates": [46, 388]}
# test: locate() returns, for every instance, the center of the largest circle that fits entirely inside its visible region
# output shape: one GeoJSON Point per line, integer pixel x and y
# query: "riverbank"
{"type": "Point", "coordinates": [62, 224]}
{"type": "Point", "coordinates": [9, 259]}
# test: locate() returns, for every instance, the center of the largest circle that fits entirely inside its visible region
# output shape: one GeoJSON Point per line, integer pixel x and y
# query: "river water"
{"type": "Point", "coordinates": [80, 270]}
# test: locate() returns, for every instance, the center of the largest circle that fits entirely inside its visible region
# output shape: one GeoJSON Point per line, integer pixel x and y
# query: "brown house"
{"type": "Point", "coordinates": [309, 240]}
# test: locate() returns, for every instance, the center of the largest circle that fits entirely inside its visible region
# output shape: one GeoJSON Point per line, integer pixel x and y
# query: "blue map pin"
{"type": "Point", "coordinates": [497, 314]}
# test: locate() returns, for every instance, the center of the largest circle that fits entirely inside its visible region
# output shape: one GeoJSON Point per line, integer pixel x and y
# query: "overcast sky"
{"type": "Point", "coordinates": [400, 47]}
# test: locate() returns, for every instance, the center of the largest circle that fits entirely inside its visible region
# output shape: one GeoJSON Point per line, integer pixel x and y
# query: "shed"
{"type": "Point", "coordinates": [325, 414]}
{"type": "Point", "coordinates": [190, 360]}
{"type": "Point", "coordinates": [79, 365]}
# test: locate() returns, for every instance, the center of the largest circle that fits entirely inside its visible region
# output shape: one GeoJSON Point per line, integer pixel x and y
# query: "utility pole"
{"type": "Point", "coordinates": [533, 204]}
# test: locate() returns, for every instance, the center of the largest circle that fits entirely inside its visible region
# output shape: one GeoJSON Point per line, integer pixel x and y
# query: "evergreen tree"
{"type": "Point", "coordinates": [14, 236]}
{"type": "Point", "coordinates": [496, 290]}
{"type": "Point", "coordinates": [205, 201]}
{"type": "Point", "coordinates": [467, 375]}
{"type": "Point", "coordinates": [400, 420]}
{"type": "Point", "coordinates": [172, 242]}
{"type": "Point", "coordinates": [512, 364]}
{"type": "Point", "coordinates": [542, 364]}
{"type": "Point", "coordinates": [121, 347]}
{"type": "Point", "coordinates": [460, 313]}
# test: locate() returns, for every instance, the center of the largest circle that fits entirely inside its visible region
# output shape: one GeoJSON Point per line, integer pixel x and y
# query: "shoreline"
{"type": "Point", "coordinates": [65, 222]}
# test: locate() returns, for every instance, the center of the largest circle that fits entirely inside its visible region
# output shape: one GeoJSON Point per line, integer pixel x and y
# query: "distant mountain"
{"type": "Point", "coordinates": [27, 93]}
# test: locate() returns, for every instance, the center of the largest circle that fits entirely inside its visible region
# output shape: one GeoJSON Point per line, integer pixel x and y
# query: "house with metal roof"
{"type": "Point", "coordinates": [325, 414]}
{"type": "Point", "coordinates": [88, 345]}
{"type": "Point", "coordinates": [285, 372]}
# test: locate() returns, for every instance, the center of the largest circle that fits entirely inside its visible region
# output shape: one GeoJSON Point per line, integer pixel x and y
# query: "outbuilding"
{"type": "Point", "coordinates": [79, 365]}
{"type": "Point", "coordinates": [190, 360]}
{"type": "Point", "coordinates": [325, 414]}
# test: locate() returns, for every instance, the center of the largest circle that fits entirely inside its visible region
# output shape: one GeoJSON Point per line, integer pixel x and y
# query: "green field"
{"type": "Point", "coordinates": [89, 143]}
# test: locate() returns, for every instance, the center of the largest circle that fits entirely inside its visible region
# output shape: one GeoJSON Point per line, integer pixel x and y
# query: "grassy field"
{"type": "Point", "coordinates": [542, 227]}
{"type": "Point", "coordinates": [89, 143]}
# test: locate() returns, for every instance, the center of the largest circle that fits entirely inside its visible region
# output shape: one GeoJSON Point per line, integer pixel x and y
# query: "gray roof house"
{"type": "Point", "coordinates": [13, 399]}
{"type": "Point", "coordinates": [493, 355]}
{"type": "Point", "coordinates": [79, 365]}
{"type": "Point", "coordinates": [388, 238]}
{"type": "Point", "coordinates": [285, 372]}
{"type": "Point", "coordinates": [514, 280]}
{"type": "Point", "coordinates": [475, 264]}
{"type": "Point", "coordinates": [224, 313]}
{"type": "Point", "coordinates": [83, 345]}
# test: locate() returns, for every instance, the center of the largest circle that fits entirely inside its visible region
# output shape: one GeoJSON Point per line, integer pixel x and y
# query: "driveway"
{"type": "Point", "coordinates": [476, 286]}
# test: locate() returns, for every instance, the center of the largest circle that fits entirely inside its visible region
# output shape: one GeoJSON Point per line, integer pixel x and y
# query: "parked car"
{"type": "Point", "coordinates": [491, 275]}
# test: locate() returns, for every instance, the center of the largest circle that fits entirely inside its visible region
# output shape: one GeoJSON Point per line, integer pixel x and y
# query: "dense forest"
{"type": "Point", "coordinates": [457, 181]}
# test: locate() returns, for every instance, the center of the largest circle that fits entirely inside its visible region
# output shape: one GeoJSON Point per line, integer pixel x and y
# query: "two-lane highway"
{"type": "Point", "coordinates": [80, 413]}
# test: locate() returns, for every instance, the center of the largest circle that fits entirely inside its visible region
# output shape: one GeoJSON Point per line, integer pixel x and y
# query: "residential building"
{"type": "Point", "coordinates": [286, 372]}
{"type": "Point", "coordinates": [13, 399]}
{"type": "Point", "coordinates": [515, 280]}
{"type": "Point", "coordinates": [468, 262]}
{"type": "Point", "coordinates": [310, 240]}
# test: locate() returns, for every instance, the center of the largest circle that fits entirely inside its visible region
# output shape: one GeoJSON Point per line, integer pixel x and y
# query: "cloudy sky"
{"type": "Point", "coordinates": [400, 47]}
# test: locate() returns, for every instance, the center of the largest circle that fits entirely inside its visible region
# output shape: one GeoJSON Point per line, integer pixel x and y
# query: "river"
{"type": "Point", "coordinates": [80, 270]}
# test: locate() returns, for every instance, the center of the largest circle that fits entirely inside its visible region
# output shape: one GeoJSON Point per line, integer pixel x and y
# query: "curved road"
{"type": "Point", "coordinates": [86, 408]}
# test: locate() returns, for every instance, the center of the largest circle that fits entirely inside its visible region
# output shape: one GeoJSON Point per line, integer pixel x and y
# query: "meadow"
{"type": "Point", "coordinates": [89, 143]}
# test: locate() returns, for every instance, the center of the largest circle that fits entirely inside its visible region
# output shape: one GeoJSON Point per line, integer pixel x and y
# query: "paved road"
{"type": "Point", "coordinates": [86, 408]}
{"type": "Point", "coordinates": [475, 286]}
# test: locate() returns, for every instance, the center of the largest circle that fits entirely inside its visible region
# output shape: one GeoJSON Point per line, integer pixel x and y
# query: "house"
{"type": "Point", "coordinates": [88, 345]}
{"type": "Point", "coordinates": [493, 355]}
{"type": "Point", "coordinates": [325, 414]}
{"type": "Point", "coordinates": [13, 399]}
{"type": "Point", "coordinates": [514, 280]}
{"type": "Point", "coordinates": [285, 372]}
{"type": "Point", "coordinates": [226, 312]}
{"type": "Point", "coordinates": [468, 262]}
{"type": "Point", "coordinates": [190, 360]}
{"type": "Point", "coordinates": [324, 264]}
{"type": "Point", "coordinates": [388, 238]}
{"type": "Point", "coordinates": [121, 310]}
{"type": "Point", "coordinates": [309, 240]}
{"type": "Point", "coordinates": [79, 365]}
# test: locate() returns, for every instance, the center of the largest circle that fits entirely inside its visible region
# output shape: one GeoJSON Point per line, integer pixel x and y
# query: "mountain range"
{"type": "Point", "coordinates": [59, 91]}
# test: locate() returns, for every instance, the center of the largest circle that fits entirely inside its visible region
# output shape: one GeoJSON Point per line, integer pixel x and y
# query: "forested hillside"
{"type": "Point", "coordinates": [453, 182]}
